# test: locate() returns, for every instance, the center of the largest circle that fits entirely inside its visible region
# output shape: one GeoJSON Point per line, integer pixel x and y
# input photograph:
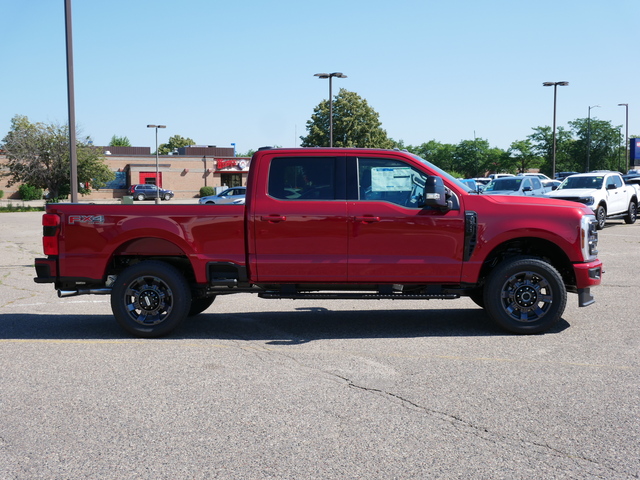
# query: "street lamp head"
{"type": "Point", "coordinates": [329, 75]}
{"type": "Point", "coordinates": [552, 84]}
{"type": "Point", "coordinates": [156, 126]}
{"type": "Point", "coordinates": [623, 104]}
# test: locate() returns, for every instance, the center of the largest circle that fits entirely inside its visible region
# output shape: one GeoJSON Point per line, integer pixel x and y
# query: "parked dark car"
{"type": "Point", "coordinates": [563, 175]}
{"type": "Point", "coordinates": [632, 179]}
{"type": "Point", "coordinates": [147, 191]}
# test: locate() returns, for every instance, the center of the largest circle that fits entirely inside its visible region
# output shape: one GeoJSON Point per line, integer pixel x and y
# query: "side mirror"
{"type": "Point", "coordinates": [435, 194]}
{"type": "Point", "coordinates": [611, 186]}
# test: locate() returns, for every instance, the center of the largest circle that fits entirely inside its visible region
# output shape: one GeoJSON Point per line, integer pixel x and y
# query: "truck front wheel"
{"type": "Point", "coordinates": [525, 295]}
{"type": "Point", "coordinates": [199, 305]}
{"type": "Point", "coordinates": [150, 299]}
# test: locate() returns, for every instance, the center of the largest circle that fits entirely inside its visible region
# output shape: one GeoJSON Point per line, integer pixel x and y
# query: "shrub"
{"type": "Point", "coordinates": [28, 192]}
{"type": "Point", "coordinates": [1, 193]}
{"type": "Point", "coordinates": [206, 191]}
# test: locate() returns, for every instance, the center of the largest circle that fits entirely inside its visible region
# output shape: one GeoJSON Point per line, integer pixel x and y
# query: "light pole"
{"type": "Point", "coordinates": [73, 155]}
{"type": "Point", "coordinates": [157, 164]}
{"type": "Point", "coordinates": [330, 76]}
{"type": "Point", "coordinates": [555, 92]}
{"type": "Point", "coordinates": [589, 135]}
{"type": "Point", "coordinates": [626, 136]}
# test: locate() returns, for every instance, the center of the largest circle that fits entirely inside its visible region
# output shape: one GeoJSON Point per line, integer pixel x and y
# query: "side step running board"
{"type": "Point", "coordinates": [357, 296]}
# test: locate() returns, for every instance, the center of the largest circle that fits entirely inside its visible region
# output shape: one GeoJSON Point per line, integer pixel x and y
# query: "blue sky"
{"type": "Point", "coordinates": [242, 71]}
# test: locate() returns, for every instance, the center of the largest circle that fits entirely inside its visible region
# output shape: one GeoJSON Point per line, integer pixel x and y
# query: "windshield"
{"type": "Point", "coordinates": [501, 184]}
{"type": "Point", "coordinates": [582, 182]}
{"type": "Point", "coordinates": [444, 174]}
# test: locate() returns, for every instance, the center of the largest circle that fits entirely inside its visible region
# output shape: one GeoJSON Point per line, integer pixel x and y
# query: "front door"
{"type": "Point", "coordinates": [299, 223]}
{"type": "Point", "coordinates": [392, 238]}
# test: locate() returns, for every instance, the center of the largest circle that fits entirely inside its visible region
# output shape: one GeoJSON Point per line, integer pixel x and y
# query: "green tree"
{"type": "Point", "coordinates": [542, 145]}
{"type": "Point", "coordinates": [355, 124]}
{"type": "Point", "coordinates": [174, 142]}
{"type": "Point", "coordinates": [119, 142]}
{"type": "Point", "coordinates": [440, 154]}
{"type": "Point", "coordinates": [601, 138]}
{"type": "Point", "coordinates": [472, 157]}
{"type": "Point", "coordinates": [38, 155]}
{"type": "Point", "coordinates": [522, 152]}
{"type": "Point", "coordinates": [248, 153]}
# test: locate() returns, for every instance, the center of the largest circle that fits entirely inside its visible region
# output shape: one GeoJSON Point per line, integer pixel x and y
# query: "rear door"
{"type": "Point", "coordinates": [299, 221]}
{"type": "Point", "coordinates": [392, 239]}
{"type": "Point", "coordinates": [617, 194]}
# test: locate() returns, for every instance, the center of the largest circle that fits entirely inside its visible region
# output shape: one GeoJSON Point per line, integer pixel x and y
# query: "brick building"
{"type": "Point", "coordinates": [185, 171]}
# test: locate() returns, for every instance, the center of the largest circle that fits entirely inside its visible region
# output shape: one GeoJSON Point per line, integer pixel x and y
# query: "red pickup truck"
{"type": "Point", "coordinates": [328, 224]}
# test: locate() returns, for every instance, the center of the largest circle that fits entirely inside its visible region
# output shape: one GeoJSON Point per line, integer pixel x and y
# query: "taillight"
{"type": "Point", "coordinates": [50, 232]}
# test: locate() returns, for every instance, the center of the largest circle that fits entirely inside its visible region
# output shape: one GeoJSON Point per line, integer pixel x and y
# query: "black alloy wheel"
{"type": "Point", "coordinates": [150, 299]}
{"type": "Point", "coordinates": [525, 295]}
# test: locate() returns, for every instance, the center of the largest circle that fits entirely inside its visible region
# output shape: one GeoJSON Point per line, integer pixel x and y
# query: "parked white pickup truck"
{"type": "Point", "coordinates": [605, 192]}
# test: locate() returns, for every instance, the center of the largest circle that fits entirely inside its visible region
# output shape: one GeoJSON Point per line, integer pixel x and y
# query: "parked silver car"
{"type": "Point", "coordinates": [230, 195]}
{"type": "Point", "coordinates": [524, 185]}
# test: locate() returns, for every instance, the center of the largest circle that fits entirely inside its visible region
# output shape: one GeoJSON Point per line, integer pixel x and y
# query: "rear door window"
{"type": "Point", "coordinates": [306, 178]}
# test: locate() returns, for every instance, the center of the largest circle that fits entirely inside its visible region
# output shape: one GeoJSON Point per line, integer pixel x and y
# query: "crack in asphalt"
{"type": "Point", "coordinates": [456, 421]}
{"type": "Point", "coordinates": [479, 431]}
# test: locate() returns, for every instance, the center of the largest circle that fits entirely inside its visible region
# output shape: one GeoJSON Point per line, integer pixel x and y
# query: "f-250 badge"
{"type": "Point", "coordinates": [92, 219]}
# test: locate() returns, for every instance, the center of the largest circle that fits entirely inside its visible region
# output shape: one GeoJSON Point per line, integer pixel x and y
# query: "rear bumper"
{"type": "Point", "coordinates": [46, 270]}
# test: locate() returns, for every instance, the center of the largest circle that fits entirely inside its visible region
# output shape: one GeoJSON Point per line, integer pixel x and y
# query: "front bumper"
{"type": "Point", "coordinates": [587, 275]}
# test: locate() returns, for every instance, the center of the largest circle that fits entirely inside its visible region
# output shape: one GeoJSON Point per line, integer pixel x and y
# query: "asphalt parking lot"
{"type": "Point", "coordinates": [275, 389]}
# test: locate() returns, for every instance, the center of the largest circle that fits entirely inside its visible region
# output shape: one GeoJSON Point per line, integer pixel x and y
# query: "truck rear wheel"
{"type": "Point", "coordinates": [525, 295]}
{"type": "Point", "coordinates": [150, 299]}
{"type": "Point", "coordinates": [632, 213]}
{"type": "Point", "coordinates": [601, 217]}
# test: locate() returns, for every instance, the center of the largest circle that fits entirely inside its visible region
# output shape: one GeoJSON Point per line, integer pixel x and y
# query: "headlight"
{"type": "Point", "coordinates": [588, 200]}
{"type": "Point", "coordinates": [588, 238]}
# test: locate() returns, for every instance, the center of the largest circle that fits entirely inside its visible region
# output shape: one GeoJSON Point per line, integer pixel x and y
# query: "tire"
{"type": "Point", "coordinates": [140, 196]}
{"type": "Point", "coordinates": [477, 295]}
{"type": "Point", "coordinates": [167, 196]}
{"type": "Point", "coordinates": [632, 213]}
{"type": "Point", "coordinates": [525, 295]}
{"type": "Point", "coordinates": [601, 217]}
{"type": "Point", "coordinates": [199, 305]}
{"type": "Point", "coordinates": [150, 299]}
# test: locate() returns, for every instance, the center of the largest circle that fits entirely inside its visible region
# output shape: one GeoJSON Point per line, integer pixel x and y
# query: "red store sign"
{"type": "Point", "coordinates": [221, 164]}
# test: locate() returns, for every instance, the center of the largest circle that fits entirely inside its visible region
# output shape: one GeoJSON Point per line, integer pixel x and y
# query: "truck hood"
{"type": "Point", "coordinates": [503, 192]}
{"type": "Point", "coordinates": [573, 192]}
{"type": "Point", "coordinates": [527, 201]}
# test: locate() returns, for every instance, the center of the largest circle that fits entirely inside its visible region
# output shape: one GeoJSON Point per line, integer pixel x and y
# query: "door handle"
{"type": "Point", "coordinates": [273, 218]}
{"type": "Point", "coordinates": [367, 219]}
